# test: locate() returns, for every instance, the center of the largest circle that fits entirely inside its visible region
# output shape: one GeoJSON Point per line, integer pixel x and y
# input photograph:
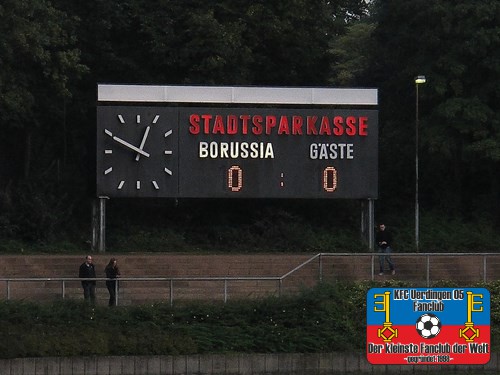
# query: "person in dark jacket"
{"type": "Point", "coordinates": [384, 243]}
{"type": "Point", "coordinates": [112, 272]}
{"type": "Point", "coordinates": [87, 271]}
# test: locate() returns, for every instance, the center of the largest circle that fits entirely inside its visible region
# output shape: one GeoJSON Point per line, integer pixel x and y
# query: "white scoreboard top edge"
{"type": "Point", "coordinates": [237, 94]}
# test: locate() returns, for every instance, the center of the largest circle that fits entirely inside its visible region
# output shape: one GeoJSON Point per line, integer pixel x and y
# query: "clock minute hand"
{"type": "Point", "coordinates": [132, 147]}
{"type": "Point", "coordinates": [126, 144]}
{"type": "Point", "coordinates": [143, 142]}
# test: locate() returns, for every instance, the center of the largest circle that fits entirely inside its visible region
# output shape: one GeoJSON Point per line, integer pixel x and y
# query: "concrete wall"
{"type": "Point", "coordinates": [231, 364]}
{"type": "Point", "coordinates": [463, 269]}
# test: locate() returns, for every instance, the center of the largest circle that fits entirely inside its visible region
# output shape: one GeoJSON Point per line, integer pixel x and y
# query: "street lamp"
{"type": "Point", "coordinates": [418, 81]}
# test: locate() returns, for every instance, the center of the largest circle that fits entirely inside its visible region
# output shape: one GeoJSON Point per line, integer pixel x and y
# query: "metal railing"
{"type": "Point", "coordinates": [482, 265]}
{"type": "Point", "coordinates": [167, 280]}
{"type": "Point", "coordinates": [364, 271]}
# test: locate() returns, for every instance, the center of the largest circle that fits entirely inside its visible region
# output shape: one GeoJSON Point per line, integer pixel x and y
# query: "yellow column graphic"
{"type": "Point", "coordinates": [387, 333]}
{"type": "Point", "coordinates": [469, 333]}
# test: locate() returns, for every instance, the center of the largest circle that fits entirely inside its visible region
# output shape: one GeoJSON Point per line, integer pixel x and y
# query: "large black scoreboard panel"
{"type": "Point", "coordinates": [207, 152]}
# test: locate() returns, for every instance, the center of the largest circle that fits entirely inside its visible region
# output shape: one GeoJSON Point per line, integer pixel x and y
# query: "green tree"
{"type": "Point", "coordinates": [38, 55]}
{"type": "Point", "coordinates": [456, 45]}
{"type": "Point", "coordinates": [45, 107]}
{"type": "Point", "coordinates": [351, 55]}
{"type": "Point", "coordinates": [38, 62]}
{"type": "Point", "coordinates": [201, 43]}
{"type": "Point", "coordinates": [204, 42]}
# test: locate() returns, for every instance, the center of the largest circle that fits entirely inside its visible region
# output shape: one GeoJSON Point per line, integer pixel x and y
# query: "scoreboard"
{"type": "Point", "coordinates": [150, 148]}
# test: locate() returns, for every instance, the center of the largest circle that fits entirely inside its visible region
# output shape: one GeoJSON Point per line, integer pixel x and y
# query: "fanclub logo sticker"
{"type": "Point", "coordinates": [422, 326]}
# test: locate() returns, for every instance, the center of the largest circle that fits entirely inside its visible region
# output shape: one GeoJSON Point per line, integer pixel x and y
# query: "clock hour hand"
{"type": "Point", "coordinates": [126, 144]}
{"type": "Point", "coordinates": [143, 142]}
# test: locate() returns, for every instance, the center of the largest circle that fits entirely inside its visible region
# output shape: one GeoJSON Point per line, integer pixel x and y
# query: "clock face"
{"type": "Point", "coordinates": [137, 152]}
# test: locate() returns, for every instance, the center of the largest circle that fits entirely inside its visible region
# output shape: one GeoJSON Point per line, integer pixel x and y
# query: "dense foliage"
{"type": "Point", "coordinates": [319, 320]}
{"type": "Point", "coordinates": [53, 54]}
{"type": "Point", "coordinates": [452, 43]}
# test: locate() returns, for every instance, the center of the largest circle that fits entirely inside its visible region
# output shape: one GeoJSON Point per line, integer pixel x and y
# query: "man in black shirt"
{"type": "Point", "coordinates": [87, 271]}
{"type": "Point", "coordinates": [384, 242]}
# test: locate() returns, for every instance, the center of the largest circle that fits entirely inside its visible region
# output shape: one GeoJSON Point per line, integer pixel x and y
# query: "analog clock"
{"type": "Point", "coordinates": [137, 152]}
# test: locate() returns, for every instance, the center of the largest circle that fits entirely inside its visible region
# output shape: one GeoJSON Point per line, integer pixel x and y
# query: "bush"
{"type": "Point", "coordinates": [326, 319]}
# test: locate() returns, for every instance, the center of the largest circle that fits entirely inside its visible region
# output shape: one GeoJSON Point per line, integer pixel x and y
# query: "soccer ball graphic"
{"type": "Point", "coordinates": [428, 326]}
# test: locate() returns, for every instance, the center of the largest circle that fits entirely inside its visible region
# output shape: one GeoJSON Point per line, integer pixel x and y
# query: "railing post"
{"type": "Point", "coordinates": [116, 292]}
{"type": "Point", "coordinates": [225, 290]}
{"type": "Point", "coordinates": [171, 292]}
{"type": "Point", "coordinates": [320, 268]}
{"type": "Point", "coordinates": [63, 289]}
{"type": "Point", "coordinates": [8, 290]}
{"type": "Point", "coordinates": [279, 287]}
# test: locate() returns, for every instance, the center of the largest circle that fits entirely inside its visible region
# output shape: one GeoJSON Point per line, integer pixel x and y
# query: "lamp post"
{"type": "Point", "coordinates": [418, 81]}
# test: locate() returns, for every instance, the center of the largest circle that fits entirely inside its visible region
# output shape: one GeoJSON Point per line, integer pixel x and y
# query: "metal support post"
{"type": "Point", "coordinates": [368, 222]}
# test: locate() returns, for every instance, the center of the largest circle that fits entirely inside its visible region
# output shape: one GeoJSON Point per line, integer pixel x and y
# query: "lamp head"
{"type": "Point", "coordinates": [419, 79]}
